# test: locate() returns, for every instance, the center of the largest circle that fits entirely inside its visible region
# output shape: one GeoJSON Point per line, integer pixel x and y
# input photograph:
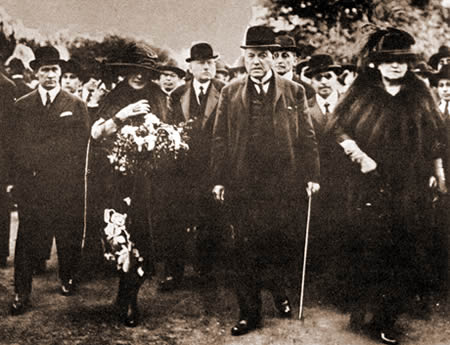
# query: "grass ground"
{"type": "Point", "coordinates": [190, 316]}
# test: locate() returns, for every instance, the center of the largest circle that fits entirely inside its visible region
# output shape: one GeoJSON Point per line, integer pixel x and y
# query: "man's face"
{"type": "Point", "coordinates": [324, 83]}
{"type": "Point", "coordinates": [169, 80]}
{"type": "Point", "coordinates": [203, 70]}
{"type": "Point", "coordinates": [283, 61]}
{"type": "Point", "coordinates": [48, 76]}
{"type": "Point", "coordinates": [258, 62]}
{"type": "Point", "coordinates": [393, 70]}
{"type": "Point", "coordinates": [443, 89]}
{"type": "Point", "coordinates": [70, 82]}
{"type": "Point", "coordinates": [225, 77]}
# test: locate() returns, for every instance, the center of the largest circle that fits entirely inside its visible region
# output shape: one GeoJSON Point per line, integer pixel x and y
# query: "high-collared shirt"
{"type": "Point", "coordinates": [442, 105]}
{"type": "Point", "coordinates": [53, 93]}
{"type": "Point", "coordinates": [196, 84]}
{"type": "Point", "coordinates": [289, 75]}
{"type": "Point", "coordinates": [331, 100]}
{"type": "Point", "coordinates": [264, 82]}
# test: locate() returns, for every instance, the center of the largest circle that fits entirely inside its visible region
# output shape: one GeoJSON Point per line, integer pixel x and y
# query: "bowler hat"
{"type": "Point", "coordinates": [443, 52]}
{"type": "Point", "coordinates": [171, 65]}
{"type": "Point", "coordinates": [287, 43]}
{"type": "Point", "coordinates": [444, 73]}
{"type": "Point", "coordinates": [137, 55]}
{"type": "Point", "coordinates": [321, 63]}
{"type": "Point", "coordinates": [47, 55]}
{"type": "Point", "coordinates": [201, 51]}
{"type": "Point", "coordinates": [71, 66]}
{"type": "Point", "coordinates": [260, 36]}
{"type": "Point", "coordinates": [392, 44]}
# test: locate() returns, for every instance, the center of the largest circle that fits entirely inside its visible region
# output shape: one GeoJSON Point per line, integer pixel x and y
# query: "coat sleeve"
{"type": "Point", "coordinates": [310, 163]}
{"type": "Point", "coordinates": [219, 142]}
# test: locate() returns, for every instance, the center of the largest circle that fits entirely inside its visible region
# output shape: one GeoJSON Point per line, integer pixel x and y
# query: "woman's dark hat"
{"type": "Point", "coordinates": [171, 65]}
{"type": "Point", "coordinates": [287, 43]}
{"type": "Point", "coordinates": [47, 55]}
{"type": "Point", "coordinates": [444, 73]}
{"type": "Point", "coordinates": [443, 52]}
{"type": "Point", "coordinates": [391, 44]}
{"type": "Point", "coordinates": [260, 37]}
{"type": "Point", "coordinates": [321, 63]}
{"type": "Point", "coordinates": [201, 51]}
{"type": "Point", "coordinates": [137, 55]}
{"type": "Point", "coordinates": [71, 66]}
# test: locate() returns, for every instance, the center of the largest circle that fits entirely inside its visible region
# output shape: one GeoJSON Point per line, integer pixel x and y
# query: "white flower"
{"type": "Point", "coordinates": [118, 218]}
{"type": "Point", "coordinates": [112, 230]}
{"type": "Point", "coordinates": [123, 259]}
{"type": "Point", "coordinates": [151, 119]}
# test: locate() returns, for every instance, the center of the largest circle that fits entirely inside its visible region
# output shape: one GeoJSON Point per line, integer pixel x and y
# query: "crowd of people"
{"type": "Point", "coordinates": [367, 141]}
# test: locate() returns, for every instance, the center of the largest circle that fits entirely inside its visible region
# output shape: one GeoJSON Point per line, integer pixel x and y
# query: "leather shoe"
{"type": "Point", "coordinates": [169, 284]}
{"type": "Point", "coordinates": [20, 304]}
{"type": "Point", "coordinates": [243, 327]}
{"type": "Point", "coordinates": [129, 315]}
{"type": "Point", "coordinates": [284, 308]}
{"type": "Point", "coordinates": [67, 288]}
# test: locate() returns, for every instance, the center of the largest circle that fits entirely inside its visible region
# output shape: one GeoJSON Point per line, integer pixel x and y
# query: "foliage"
{"type": "Point", "coordinates": [338, 27]}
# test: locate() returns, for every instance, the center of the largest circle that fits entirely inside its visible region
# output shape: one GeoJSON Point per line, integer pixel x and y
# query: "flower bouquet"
{"type": "Point", "coordinates": [148, 145]}
{"type": "Point", "coordinates": [117, 246]}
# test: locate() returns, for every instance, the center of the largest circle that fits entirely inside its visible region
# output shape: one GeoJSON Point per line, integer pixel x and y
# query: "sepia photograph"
{"type": "Point", "coordinates": [234, 172]}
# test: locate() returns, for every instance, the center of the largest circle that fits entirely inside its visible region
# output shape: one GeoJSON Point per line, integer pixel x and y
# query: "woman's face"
{"type": "Point", "coordinates": [393, 70]}
{"type": "Point", "coordinates": [138, 79]}
{"type": "Point", "coordinates": [443, 88]}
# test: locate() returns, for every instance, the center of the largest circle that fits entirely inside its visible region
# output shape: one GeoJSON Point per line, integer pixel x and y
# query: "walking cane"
{"type": "Point", "coordinates": [302, 291]}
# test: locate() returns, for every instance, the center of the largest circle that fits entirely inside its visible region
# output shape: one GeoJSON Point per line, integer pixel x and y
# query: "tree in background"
{"type": "Point", "coordinates": [338, 27]}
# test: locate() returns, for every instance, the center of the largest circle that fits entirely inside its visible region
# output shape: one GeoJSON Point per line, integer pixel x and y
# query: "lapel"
{"type": "Point", "coordinates": [243, 91]}
{"type": "Point", "coordinates": [278, 87]}
{"type": "Point", "coordinates": [58, 104]}
{"type": "Point", "coordinates": [211, 102]}
{"type": "Point", "coordinates": [185, 100]}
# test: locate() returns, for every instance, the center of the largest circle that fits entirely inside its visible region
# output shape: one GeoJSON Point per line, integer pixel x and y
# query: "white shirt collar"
{"type": "Point", "coordinates": [17, 76]}
{"type": "Point", "coordinates": [53, 93]}
{"type": "Point", "coordinates": [263, 81]}
{"type": "Point", "coordinates": [442, 104]}
{"type": "Point", "coordinates": [332, 100]}
{"type": "Point", "coordinates": [197, 85]}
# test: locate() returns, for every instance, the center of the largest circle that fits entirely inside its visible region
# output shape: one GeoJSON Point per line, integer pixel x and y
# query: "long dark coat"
{"type": "Point", "coordinates": [387, 224]}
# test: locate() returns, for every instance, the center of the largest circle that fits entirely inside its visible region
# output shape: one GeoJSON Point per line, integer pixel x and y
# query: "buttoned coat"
{"type": "Point", "coordinates": [293, 130]}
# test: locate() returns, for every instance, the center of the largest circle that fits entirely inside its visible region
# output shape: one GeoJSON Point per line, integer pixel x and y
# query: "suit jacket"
{"type": "Point", "coordinates": [309, 90]}
{"type": "Point", "coordinates": [7, 93]}
{"type": "Point", "coordinates": [50, 150]}
{"type": "Point", "coordinates": [293, 131]}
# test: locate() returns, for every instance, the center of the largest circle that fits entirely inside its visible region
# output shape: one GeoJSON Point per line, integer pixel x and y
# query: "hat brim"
{"type": "Point", "coordinates": [176, 70]}
{"type": "Point", "coordinates": [35, 64]}
{"type": "Point", "coordinates": [435, 77]}
{"type": "Point", "coordinates": [309, 73]}
{"type": "Point", "coordinates": [287, 49]}
{"type": "Point", "coordinates": [133, 65]}
{"type": "Point", "coordinates": [260, 46]}
{"type": "Point", "coordinates": [190, 59]}
{"type": "Point", "coordinates": [392, 55]}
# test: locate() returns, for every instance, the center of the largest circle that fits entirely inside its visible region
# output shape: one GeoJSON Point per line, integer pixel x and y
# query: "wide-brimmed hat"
{"type": "Point", "coordinates": [71, 66]}
{"type": "Point", "coordinates": [319, 63]}
{"type": "Point", "coordinates": [444, 73]}
{"type": "Point", "coordinates": [392, 44]}
{"type": "Point", "coordinates": [136, 55]}
{"type": "Point", "coordinates": [47, 55]}
{"type": "Point", "coordinates": [201, 51]}
{"type": "Point", "coordinates": [259, 36]}
{"type": "Point", "coordinates": [443, 52]}
{"type": "Point", "coordinates": [172, 65]}
{"type": "Point", "coordinates": [286, 43]}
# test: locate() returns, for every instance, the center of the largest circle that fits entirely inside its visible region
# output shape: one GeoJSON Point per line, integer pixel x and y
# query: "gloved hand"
{"type": "Point", "coordinates": [356, 155]}
{"type": "Point", "coordinates": [438, 180]}
{"type": "Point", "coordinates": [218, 193]}
{"type": "Point", "coordinates": [312, 188]}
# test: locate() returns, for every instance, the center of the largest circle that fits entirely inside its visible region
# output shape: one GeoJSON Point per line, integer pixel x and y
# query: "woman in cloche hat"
{"type": "Point", "coordinates": [390, 128]}
{"type": "Point", "coordinates": [134, 96]}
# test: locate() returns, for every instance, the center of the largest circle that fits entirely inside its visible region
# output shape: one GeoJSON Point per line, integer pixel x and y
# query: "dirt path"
{"type": "Point", "coordinates": [187, 317]}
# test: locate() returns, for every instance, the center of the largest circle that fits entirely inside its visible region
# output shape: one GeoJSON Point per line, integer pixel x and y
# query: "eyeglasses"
{"type": "Point", "coordinates": [326, 75]}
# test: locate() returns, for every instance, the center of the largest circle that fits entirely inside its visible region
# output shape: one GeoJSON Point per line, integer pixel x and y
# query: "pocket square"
{"type": "Point", "coordinates": [66, 113]}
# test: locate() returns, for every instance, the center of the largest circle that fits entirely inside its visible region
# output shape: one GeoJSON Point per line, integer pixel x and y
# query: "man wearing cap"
{"type": "Point", "coordinates": [170, 77]}
{"type": "Point", "coordinates": [285, 60]}
{"type": "Point", "coordinates": [70, 79]}
{"type": "Point", "coordinates": [196, 101]}
{"type": "Point", "coordinates": [50, 138]}
{"type": "Point", "coordinates": [264, 153]}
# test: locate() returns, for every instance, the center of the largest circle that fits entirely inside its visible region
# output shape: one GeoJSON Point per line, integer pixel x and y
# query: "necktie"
{"type": "Point", "coordinates": [260, 86]}
{"type": "Point", "coordinates": [89, 96]}
{"type": "Point", "coordinates": [446, 110]}
{"type": "Point", "coordinates": [48, 101]}
{"type": "Point", "coordinates": [201, 95]}
{"type": "Point", "coordinates": [327, 108]}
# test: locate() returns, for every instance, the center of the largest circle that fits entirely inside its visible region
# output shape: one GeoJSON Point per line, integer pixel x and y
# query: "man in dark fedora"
{"type": "Point", "coordinates": [441, 58]}
{"type": "Point", "coordinates": [50, 137]}
{"type": "Point", "coordinates": [171, 76]}
{"type": "Point", "coordinates": [196, 101]}
{"type": "Point", "coordinates": [285, 60]}
{"type": "Point", "coordinates": [264, 154]}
